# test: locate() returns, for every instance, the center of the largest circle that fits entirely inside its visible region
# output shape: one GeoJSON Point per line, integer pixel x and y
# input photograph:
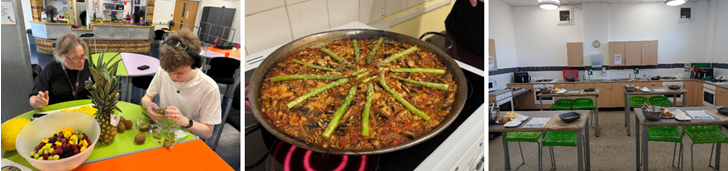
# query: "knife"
{"type": "Point", "coordinates": [155, 121]}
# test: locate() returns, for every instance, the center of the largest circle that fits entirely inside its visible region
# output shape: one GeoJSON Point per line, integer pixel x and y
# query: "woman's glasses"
{"type": "Point", "coordinates": [77, 60]}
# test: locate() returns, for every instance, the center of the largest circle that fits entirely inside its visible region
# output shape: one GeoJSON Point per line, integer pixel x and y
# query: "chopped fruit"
{"type": "Point", "coordinates": [62, 144]}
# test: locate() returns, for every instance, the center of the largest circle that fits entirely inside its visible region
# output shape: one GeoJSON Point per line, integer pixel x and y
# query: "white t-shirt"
{"type": "Point", "coordinates": [198, 99]}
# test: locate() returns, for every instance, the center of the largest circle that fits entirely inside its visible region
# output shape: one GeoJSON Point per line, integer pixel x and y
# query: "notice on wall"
{"type": "Point", "coordinates": [617, 59]}
{"type": "Point", "coordinates": [8, 13]}
{"type": "Point", "coordinates": [491, 63]}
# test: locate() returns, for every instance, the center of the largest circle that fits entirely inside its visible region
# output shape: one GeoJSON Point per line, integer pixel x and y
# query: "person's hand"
{"type": "Point", "coordinates": [175, 115]}
{"type": "Point", "coordinates": [151, 111]}
{"type": "Point", "coordinates": [474, 2]}
{"type": "Point", "coordinates": [41, 100]}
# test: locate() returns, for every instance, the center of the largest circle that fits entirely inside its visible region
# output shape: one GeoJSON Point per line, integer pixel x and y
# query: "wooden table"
{"type": "Point", "coordinates": [652, 91]}
{"type": "Point", "coordinates": [581, 93]}
{"type": "Point", "coordinates": [555, 124]}
{"type": "Point", "coordinates": [640, 120]}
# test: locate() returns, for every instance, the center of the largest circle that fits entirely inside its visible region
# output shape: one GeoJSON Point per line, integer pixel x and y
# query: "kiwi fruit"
{"type": "Point", "coordinates": [143, 127]}
{"type": "Point", "coordinates": [140, 138]}
{"type": "Point", "coordinates": [122, 119]}
{"type": "Point", "coordinates": [168, 144]}
{"type": "Point", "coordinates": [129, 124]}
{"type": "Point", "coordinates": [121, 127]}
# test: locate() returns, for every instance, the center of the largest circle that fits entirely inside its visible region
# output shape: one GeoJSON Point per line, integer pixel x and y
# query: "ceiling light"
{"type": "Point", "coordinates": [550, 4]}
{"type": "Point", "coordinates": [674, 2]}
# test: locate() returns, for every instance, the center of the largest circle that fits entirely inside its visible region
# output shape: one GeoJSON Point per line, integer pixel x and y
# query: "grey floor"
{"type": "Point", "coordinates": [612, 150]}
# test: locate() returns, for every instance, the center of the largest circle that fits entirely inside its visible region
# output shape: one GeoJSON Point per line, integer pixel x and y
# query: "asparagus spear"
{"type": "Point", "coordinates": [366, 73]}
{"type": "Point", "coordinates": [339, 113]}
{"type": "Point", "coordinates": [355, 73]}
{"type": "Point", "coordinates": [401, 100]}
{"type": "Point", "coordinates": [438, 86]}
{"type": "Point", "coordinates": [420, 70]}
{"type": "Point", "coordinates": [356, 50]}
{"type": "Point", "coordinates": [397, 55]}
{"type": "Point", "coordinates": [336, 57]}
{"type": "Point", "coordinates": [369, 79]}
{"type": "Point", "coordinates": [305, 77]}
{"type": "Point", "coordinates": [365, 115]}
{"type": "Point", "coordinates": [312, 65]}
{"type": "Point", "coordinates": [317, 91]}
{"type": "Point", "coordinates": [374, 51]}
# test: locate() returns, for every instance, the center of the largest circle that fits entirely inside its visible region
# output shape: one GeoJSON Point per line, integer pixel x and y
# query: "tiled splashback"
{"type": "Point", "coordinates": [273, 22]}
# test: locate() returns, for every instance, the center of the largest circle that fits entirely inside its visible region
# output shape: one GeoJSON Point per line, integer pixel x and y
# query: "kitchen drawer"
{"type": "Point", "coordinates": [603, 86]}
{"type": "Point", "coordinates": [564, 85]}
{"type": "Point", "coordinates": [525, 86]}
{"type": "Point", "coordinates": [583, 85]}
{"type": "Point", "coordinates": [721, 91]}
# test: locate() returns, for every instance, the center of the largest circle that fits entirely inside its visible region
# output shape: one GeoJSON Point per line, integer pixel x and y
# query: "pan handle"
{"type": "Point", "coordinates": [440, 34]}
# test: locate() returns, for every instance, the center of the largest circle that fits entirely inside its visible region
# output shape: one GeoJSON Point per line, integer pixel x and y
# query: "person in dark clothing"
{"type": "Point", "coordinates": [83, 18]}
{"type": "Point", "coordinates": [63, 79]}
{"type": "Point", "coordinates": [465, 24]}
{"type": "Point", "coordinates": [138, 15]}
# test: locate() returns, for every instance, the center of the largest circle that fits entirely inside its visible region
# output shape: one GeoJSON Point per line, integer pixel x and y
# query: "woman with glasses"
{"type": "Point", "coordinates": [63, 79]}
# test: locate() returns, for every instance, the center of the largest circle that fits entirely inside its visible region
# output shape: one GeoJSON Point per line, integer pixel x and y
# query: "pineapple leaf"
{"type": "Point", "coordinates": [101, 59]}
{"type": "Point", "coordinates": [117, 108]}
{"type": "Point", "coordinates": [97, 76]}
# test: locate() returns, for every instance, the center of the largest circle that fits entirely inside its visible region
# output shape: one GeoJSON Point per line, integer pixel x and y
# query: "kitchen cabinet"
{"type": "Point", "coordinates": [605, 94]}
{"type": "Point", "coordinates": [721, 100]}
{"type": "Point", "coordinates": [617, 53]}
{"type": "Point", "coordinates": [699, 95]}
{"type": "Point", "coordinates": [492, 62]}
{"type": "Point", "coordinates": [721, 91]}
{"type": "Point", "coordinates": [690, 86]}
{"type": "Point", "coordinates": [618, 94]}
{"type": "Point", "coordinates": [649, 52]}
{"type": "Point", "coordinates": [564, 85]}
{"type": "Point", "coordinates": [575, 54]}
{"type": "Point", "coordinates": [524, 101]}
{"type": "Point", "coordinates": [634, 53]}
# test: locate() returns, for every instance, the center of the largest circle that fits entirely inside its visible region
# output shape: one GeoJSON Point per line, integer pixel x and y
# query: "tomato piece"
{"type": "Point", "coordinates": [406, 124]}
{"type": "Point", "coordinates": [395, 142]}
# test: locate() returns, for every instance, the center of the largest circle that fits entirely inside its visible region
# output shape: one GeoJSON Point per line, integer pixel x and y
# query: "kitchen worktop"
{"type": "Point", "coordinates": [617, 80]}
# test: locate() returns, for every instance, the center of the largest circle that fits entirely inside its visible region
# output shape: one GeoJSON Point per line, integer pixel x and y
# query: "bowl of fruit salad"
{"type": "Point", "coordinates": [59, 141]}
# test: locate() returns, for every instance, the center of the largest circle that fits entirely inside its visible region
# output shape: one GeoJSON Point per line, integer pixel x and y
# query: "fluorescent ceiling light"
{"type": "Point", "coordinates": [674, 2]}
{"type": "Point", "coordinates": [549, 4]}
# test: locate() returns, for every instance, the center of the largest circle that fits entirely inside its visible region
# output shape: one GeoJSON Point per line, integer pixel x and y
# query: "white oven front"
{"type": "Point", "coordinates": [708, 95]}
{"type": "Point", "coordinates": [537, 90]}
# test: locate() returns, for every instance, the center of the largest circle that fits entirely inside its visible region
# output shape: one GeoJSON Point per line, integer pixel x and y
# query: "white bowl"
{"type": "Point", "coordinates": [44, 127]}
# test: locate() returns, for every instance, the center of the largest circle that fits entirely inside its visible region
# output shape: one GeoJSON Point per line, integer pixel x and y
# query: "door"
{"type": "Point", "coordinates": [649, 52]}
{"type": "Point", "coordinates": [575, 54]}
{"type": "Point", "coordinates": [634, 53]}
{"type": "Point", "coordinates": [185, 12]}
{"type": "Point", "coordinates": [616, 53]}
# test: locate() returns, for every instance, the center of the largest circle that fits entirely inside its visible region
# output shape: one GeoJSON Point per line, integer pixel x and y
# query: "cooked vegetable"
{"type": "Point", "coordinates": [317, 91]}
{"type": "Point", "coordinates": [356, 50]}
{"type": "Point", "coordinates": [401, 100]}
{"type": "Point", "coordinates": [397, 55]}
{"type": "Point", "coordinates": [365, 115]}
{"type": "Point", "coordinates": [336, 57]}
{"type": "Point", "coordinates": [312, 65]}
{"type": "Point", "coordinates": [339, 113]}
{"type": "Point", "coordinates": [374, 50]}
{"type": "Point", "coordinates": [438, 86]}
{"type": "Point", "coordinates": [305, 77]}
{"type": "Point", "coordinates": [420, 70]}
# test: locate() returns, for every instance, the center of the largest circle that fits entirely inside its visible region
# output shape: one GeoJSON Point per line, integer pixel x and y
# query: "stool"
{"type": "Point", "coordinates": [563, 104]}
{"type": "Point", "coordinates": [660, 101]}
{"type": "Point", "coordinates": [637, 101]}
{"type": "Point", "coordinates": [524, 137]}
{"type": "Point", "coordinates": [559, 138]}
{"type": "Point", "coordinates": [705, 134]}
{"type": "Point", "coordinates": [667, 134]}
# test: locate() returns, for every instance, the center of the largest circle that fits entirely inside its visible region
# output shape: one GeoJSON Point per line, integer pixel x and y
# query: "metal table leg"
{"type": "Point", "coordinates": [505, 151]}
{"type": "Point", "coordinates": [540, 102]}
{"type": "Point", "coordinates": [580, 150]}
{"type": "Point", "coordinates": [588, 150]}
{"type": "Point", "coordinates": [626, 112]}
{"type": "Point", "coordinates": [717, 153]}
{"type": "Point", "coordinates": [130, 90]}
{"type": "Point", "coordinates": [637, 142]}
{"type": "Point", "coordinates": [645, 152]}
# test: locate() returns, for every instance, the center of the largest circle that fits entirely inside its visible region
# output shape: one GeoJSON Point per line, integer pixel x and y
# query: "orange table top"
{"type": "Point", "coordinates": [235, 54]}
{"type": "Point", "coordinates": [193, 155]}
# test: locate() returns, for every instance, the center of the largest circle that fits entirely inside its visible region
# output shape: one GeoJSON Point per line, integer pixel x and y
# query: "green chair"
{"type": "Point", "coordinates": [660, 101]}
{"type": "Point", "coordinates": [584, 103]}
{"type": "Point", "coordinates": [563, 104]}
{"type": "Point", "coordinates": [523, 137]}
{"type": "Point", "coordinates": [667, 134]}
{"type": "Point", "coordinates": [705, 134]}
{"type": "Point", "coordinates": [637, 101]}
{"type": "Point", "coordinates": [559, 138]}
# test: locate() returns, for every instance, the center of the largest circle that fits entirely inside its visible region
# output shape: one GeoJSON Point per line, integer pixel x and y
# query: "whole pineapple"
{"type": "Point", "coordinates": [104, 94]}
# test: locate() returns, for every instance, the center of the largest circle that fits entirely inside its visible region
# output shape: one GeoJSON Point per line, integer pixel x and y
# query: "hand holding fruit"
{"type": "Point", "coordinates": [175, 115]}
{"type": "Point", "coordinates": [151, 111]}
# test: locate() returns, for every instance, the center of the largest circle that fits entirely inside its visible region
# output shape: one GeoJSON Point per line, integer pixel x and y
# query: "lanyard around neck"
{"type": "Point", "coordinates": [74, 89]}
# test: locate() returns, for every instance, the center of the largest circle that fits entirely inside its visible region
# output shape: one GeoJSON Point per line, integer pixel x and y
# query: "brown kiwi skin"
{"type": "Point", "coordinates": [129, 124]}
{"type": "Point", "coordinates": [140, 138]}
{"type": "Point", "coordinates": [121, 127]}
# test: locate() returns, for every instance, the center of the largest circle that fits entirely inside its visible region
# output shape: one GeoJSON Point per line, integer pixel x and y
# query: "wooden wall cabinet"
{"type": "Point", "coordinates": [617, 53]}
{"type": "Point", "coordinates": [575, 54]}
{"type": "Point", "coordinates": [492, 62]}
{"type": "Point", "coordinates": [634, 53]}
{"type": "Point", "coordinates": [649, 52]}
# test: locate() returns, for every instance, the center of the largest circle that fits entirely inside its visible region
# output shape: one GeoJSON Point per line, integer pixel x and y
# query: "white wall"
{"type": "Point", "coordinates": [540, 41]}
{"type": "Point", "coordinates": [720, 52]}
{"type": "Point", "coordinates": [274, 22]}
{"type": "Point", "coordinates": [27, 14]}
{"type": "Point", "coordinates": [163, 10]}
{"type": "Point", "coordinates": [596, 27]}
{"type": "Point", "coordinates": [678, 42]}
{"type": "Point", "coordinates": [501, 30]}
